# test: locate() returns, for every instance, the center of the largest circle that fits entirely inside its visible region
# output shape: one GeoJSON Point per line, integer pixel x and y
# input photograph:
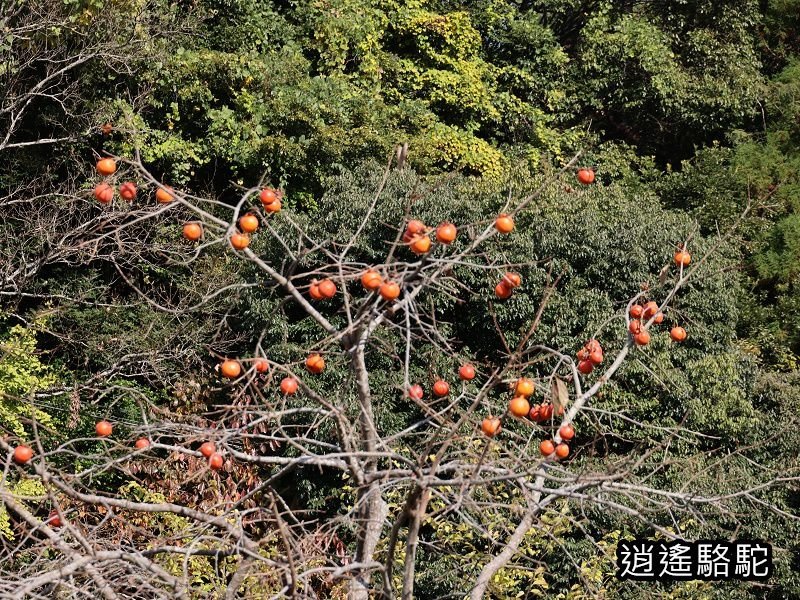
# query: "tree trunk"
{"type": "Point", "coordinates": [372, 510]}
{"type": "Point", "coordinates": [371, 517]}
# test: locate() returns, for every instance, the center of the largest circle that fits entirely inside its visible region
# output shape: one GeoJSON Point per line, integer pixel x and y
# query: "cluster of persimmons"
{"type": "Point", "coordinates": [248, 224]}
{"type": "Point", "coordinates": [418, 238]}
{"type": "Point", "coordinates": [588, 357]}
{"type": "Point", "coordinates": [520, 407]}
{"type": "Point", "coordinates": [104, 191]}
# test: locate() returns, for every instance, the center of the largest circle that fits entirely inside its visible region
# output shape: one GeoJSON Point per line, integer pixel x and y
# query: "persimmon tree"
{"type": "Point", "coordinates": [393, 349]}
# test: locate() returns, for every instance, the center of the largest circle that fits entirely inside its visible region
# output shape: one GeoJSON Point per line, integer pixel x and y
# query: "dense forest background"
{"type": "Point", "coordinates": [689, 112]}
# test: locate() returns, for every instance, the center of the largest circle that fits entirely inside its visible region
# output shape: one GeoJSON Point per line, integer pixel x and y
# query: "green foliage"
{"type": "Point", "coordinates": [448, 148]}
{"type": "Point", "coordinates": [654, 71]}
{"type": "Point", "coordinates": [5, 525]}
{"type": "Point", "coordinates": [26, 491]}
{"type": "Point", "coordinates": [781, 26]}
{"type": "Point", "coordinates": [21, 374]}
{"type": "Point", "coordinates": [759, 170]}
{"type": "Point", "coordinates": [781, 258]}
{"type": "Point", "coordinates": [721, 402]}
{"type": "Point", "coordinates": [472, 87]}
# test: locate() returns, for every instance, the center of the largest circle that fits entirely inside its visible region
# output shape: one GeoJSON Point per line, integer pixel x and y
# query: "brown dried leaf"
{"type": "Point", "coordinates": [662, 276]}
{"type": "Point", "coordinates": [559, 395]}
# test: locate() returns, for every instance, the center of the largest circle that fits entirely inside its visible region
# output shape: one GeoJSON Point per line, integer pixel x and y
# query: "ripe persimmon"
{"type": "Point", "coordinates": [512, 280]}
{"type": "Point", "coordinates": [524, 387]}
{"type": "Point", "coordinates": [327, 288]}
{"type": "Point", "coordinates": [207, 449]}
{"type": "Point", "coordinates": [261, 365]}
{"type": "Point", "coordinates": [164, 195]}
{"type": "Point", "coordinates": [230, 368]}
{"type": "Point", "coordinates": [446, 233]}
{"type": "Point", "coordinates": [562, 450]}
{"type": "Point", "coordinates": [490, 426]}
{"type": "Point", "coordinates": [585, 366]}
{"type": "Point", "coordinates": [420, 244]}
{"type": "Point", "coordinates": [371, 280]}
{"type": "Point", "coordinates": [128, 191]}
{"type": "Point", "coordinates": [415, 392]}
{"type": "Point", "coordinates": [635, 327]}
{"type": "Point", "coordinates": [106, 166]}
{"type": "Point", "coordinates": [192, 231]}
{"type": "Point", "coordinates": [22, 454]}
{"type": "Point", "coordinates": [596, 357]}
{"type": "Point", "coordinates": [566, 432]}
{"type": "Point", "coordinates": [466, 372]}
{"type": "Point", "coordinates": [504, 223]}
{"type": "Point", "coordinates": [637, 310]}
{"type": "Point", "coordinates": [273, 207]}
{"type": "Point", "coordinates": [53, 519]}
{"type": "Point", "coordinates": [104, 192]}
{"type": "Point", "coordinates": [142, 443]}
{"type": "Point", "coordinates": [268, 196]}
{"type": "Point", "coordinates": [215, 461]}
{"type": "Point", "coordinates": [103, 428]}
{"type": "Point", "coordinates": [519, 406]}
{"type": "Point", "coordinates": [441, 388]}
{"type": "Point", "coordinates": [650, 309]}
{"type": "Point", "coordinates": [677, 333]}
{"type": "Point", "coordinates": [389, 291]}
{"type": "Point", "coordinates": [240, 241]}
{"type": "Point", "coordinates": [502, 291]}
{"type": "Point", "coordinates": [642, 338]}
{"type": "Point", "coordinates": [313, 290]}
{"type": "Point", "coordinates": [546, 447]}
{"type": "Point", "coordinates": [682, 258]}
{"type": "Point", "coordinates": [289, 386]}
{"type": "Point", "coordinates": [586, 176]}
{"type": "Point", "coordinates": [248, 223]}
{"type": "Point", "coordinates": [659, 318]}
{"type": "Point", "coordinates": [414, 227]}
{"type": "Point", "coordinates": [315, 363]}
